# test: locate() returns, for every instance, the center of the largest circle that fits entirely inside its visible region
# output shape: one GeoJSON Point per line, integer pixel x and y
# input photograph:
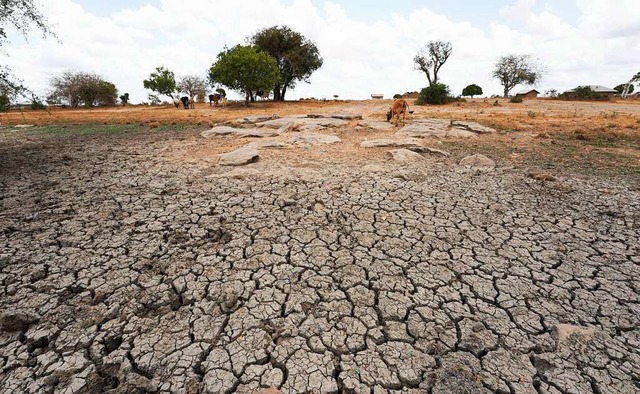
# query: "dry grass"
{"type": "Point", "coordinates": [580, 137]}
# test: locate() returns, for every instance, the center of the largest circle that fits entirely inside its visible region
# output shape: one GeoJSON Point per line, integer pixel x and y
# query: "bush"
{"type": "Point", "coordinates": [436, 94]}
{"type": "Point", "coordinates": [397, 96]}
{"type": "Point", "coordinates": [5, 103]}
{"type": "Point", "coordinates": [516, 99]}
{"type": "Point", "coordinates": [37, 105]}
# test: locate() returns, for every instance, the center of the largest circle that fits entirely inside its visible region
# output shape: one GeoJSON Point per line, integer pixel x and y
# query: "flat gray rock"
{"type": "Point", "coordinates": [219, 130]}
{"type": "Point", "coordinates": [473, 126]}
{"type": "Point", "coordinates": [256, 118]}
{"type": "Point", "coordinates": [298, 121]}
{"type": "Point", "coordinates": [438, 128]}
{"type": "Point", "coordinates": [313, 138]}
{"type": "Point", "coordinates": [239, 157]}
{"type": "Point", "coordinates": [478, 161]}
{"type": "Point", "coordinates": [267, 144]}
{"type": "Point", "coordinates": [405, 155]}
{"type": "Point", "coordinates": [336, 116]}
{"type": "Point", "coordinates": [388, 142]}
{"type": "Point", "coordinates": [376, 125]}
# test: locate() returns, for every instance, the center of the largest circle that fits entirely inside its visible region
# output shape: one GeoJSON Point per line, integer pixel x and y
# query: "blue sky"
{"type": "Point", "coordinates": [367, 46]}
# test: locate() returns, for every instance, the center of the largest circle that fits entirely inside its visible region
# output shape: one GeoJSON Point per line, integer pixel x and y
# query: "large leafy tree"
{"type": "Point", "coordinates": [193, 85]}
{"type": "Point", "coordinates": [513, 70]}
{"type": "Point", "coordinates": [431, 58]}
{"type": "Point", "coordinates": [297, 57]}
{"type": "Point", "coordinates": [244, 69]}
{"type": "Point", "coordinates": [21, 15]}
{"type": "Point", "coordinates": [623, 86]}
{"type": "Point", "coordinates": [81, 88]}
{"type": "Point", "coordinates": [161, 81]}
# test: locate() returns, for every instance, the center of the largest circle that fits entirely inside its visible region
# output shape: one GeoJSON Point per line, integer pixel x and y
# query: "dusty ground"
{"type": "Point", "coordinates": [131, 262]}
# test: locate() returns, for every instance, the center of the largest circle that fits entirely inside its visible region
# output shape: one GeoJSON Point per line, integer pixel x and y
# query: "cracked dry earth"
{"type": "Point", "coordinates": [122, 271]}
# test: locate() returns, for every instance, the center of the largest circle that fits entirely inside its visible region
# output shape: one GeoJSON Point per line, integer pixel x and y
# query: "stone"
{"type": "Point", "coordinates": [405, 155]}
{"type": "Point", "coordinates": [388, 142]}
{"type": "Point", "coordinates": [336, 116]}
{"type": "Point", "coordinates": [478, 161]}
{"type": "Point", "coordinates": [219, 130]}
{"type": "Point", "coordinates": [541, 176]}
{"type": "Point", "coordinates": [17, 321]}
{"type": "Point", "coordinates": [257, 118]}
{"type": "Point", "coordinates": [298, 121]}
{"type": "Point", "coordinates": [437, 128]}
{"type": "Point", "coordinates": [267, 144]}
{"type": "Point", "coordinates": [376, 125]}
{"type": "Point", "coordinates": [473, 126]}
{"type": "Point", "coordinates": [239, 157]}
{"type": "Point", "coordinates": [313, 138]}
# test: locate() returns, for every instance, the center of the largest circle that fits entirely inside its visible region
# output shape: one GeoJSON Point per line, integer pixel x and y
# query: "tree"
{"type": "Point", "coordinates": [75, 88]}
{"type": "Point", "coordinates": [472, 90]}
{"type": "Point", "coordinates": [161, 81]}
{"type": "Point", "coordinates": [125, 99]}
{"type": "Point", "coordinates": [513, 70]}
{"type": "Point", "coordinates": [628, 87]}
{"type": "Point", "coordinates": [19, 14]}
{"type": "Point", "coordinates": [621, 88]}
{"type": "Point", "coordinates": [297, 57]}
{"type": "Point", "coordinates": [244, 69]}
{"type": "Point", "coordinates": [431, 58]}
{"type": "Point", "coordinates": [193, 85]}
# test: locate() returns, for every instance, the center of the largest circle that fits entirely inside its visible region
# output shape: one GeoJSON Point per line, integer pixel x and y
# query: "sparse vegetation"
{"type": "Point", "coordinates": [583, 93]}
{"type": "Point", "coordinates": [516, 99]}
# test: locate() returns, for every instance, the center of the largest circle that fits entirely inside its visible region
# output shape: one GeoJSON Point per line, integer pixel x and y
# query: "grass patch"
{"type": "Point", "coordinates": [102, 129]}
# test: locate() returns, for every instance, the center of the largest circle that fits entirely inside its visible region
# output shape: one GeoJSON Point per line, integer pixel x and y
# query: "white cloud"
{"type": "Point", "coordinates": [360, 58]}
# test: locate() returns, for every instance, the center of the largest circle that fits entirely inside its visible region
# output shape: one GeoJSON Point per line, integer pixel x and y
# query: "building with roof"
{"type": "Point", "coordinates": [531, 93]}
{"type": "Point", "coordinates": [599, 89]}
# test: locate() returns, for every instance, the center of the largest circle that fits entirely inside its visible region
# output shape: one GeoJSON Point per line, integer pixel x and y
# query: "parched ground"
{"type": "Point", "coordinates": [130, 261]}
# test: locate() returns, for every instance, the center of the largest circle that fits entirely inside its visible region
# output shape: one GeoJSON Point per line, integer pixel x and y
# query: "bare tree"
{"type": "Point", "coordinates": [192, 85]}
{"type": "Point", "coordinates": [513, 70]}
{"type": "Point", "coordinates": [431, 58]}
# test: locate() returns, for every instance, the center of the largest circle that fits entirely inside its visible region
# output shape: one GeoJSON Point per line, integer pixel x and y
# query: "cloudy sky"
{"type": "Point", "coordinates": [367, 45]}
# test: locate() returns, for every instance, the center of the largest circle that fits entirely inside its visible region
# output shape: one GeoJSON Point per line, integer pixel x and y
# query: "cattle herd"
{"type": "Point", "coordinates": [187, 102]}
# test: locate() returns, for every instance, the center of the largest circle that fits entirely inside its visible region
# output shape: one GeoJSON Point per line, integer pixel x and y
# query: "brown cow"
{"type": "Point", "coordinates": [399, 107]}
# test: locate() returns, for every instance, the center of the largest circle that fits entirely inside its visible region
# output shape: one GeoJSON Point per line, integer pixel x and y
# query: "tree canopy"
{"type": "Point", "coordinates": [21, 15]}
{"type": "Point", "coordinates": [161, 81]}
{"type": "Point", "coordinates": [80, 88]}
{"type": "Point", "coordinates": [431, 58]}
{"type": "Point", "coordinates": [621, 88]}
{"type": "Point", "coordinates": [244, 69]}
{"type": "Point", "coordinates": [472, 90]}
{"type": "Point", "coordinates": [296, 56]}
{"type": "Point", "coordinates": [513, 70]}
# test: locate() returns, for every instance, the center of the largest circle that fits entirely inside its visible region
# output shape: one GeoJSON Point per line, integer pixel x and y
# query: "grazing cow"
{"type": "Point", "coordinates": [399, 107]}
{"type": "Point", "coordinates": [185, 102]}
{"type": "Point", "coordinates": [176, 102]}
{"type": "Point", "coordinates": [214, 99]}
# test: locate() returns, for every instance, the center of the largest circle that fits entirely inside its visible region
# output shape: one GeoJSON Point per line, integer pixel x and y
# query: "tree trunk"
{"type": "Point", "coordinates": [284, 90]}
{"type": "Point", "coordinates": [246, 99]}
{"type": "Point", "coordinates": [276, 93]}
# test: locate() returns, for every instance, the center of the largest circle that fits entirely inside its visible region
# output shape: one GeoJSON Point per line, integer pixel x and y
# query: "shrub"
{"type": "Point", "coordinates": [5, 103]}
{"type": "Point", "coordinates": [516, 99]}
{"type": "Point", "coordinates": [397, 96]}
{"type": "Point", "coordinates": [436, 94]}
{"type": "Point", "coordinates": [37, 105]}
